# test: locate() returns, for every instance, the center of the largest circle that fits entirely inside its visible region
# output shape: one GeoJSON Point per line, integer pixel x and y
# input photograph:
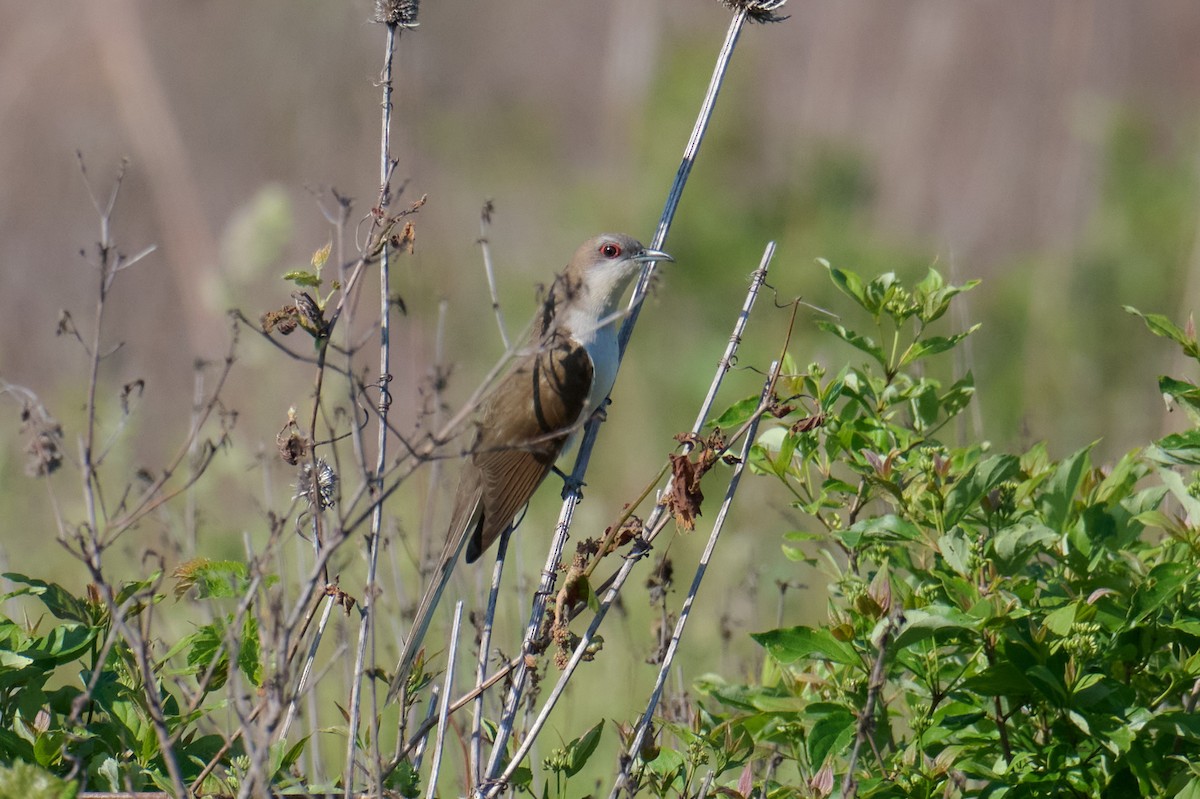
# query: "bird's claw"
{"type": "Point", "coordinates": [570, 484]}
{"type": "Point", "coordinates": [601, 413]}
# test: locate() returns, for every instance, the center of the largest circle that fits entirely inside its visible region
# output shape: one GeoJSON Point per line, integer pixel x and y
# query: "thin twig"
{"type": "Point", "coordinates": [306, 669]}
{"type": "Point", "coordinates": [485, 246]}
{"type": "Point", "coordinates": [485, 643]}
{"type": "Point", "coordinates": [866, 719]}
{"type": "Point", "coordinates": [443, 711]}
{"type": "Point", "coordinates": [367, 629]}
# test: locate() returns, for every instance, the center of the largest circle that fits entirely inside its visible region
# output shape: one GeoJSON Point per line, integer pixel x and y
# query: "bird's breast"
{"type": "Point", "coordinates": [603, 352]}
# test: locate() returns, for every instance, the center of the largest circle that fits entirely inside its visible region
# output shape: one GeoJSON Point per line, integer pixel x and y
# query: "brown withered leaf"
{"type": "Point", "coordinates": [661, 578]}
{"type": "Point", "coordinates": [808, 423]}
{"type": "Point", "coordinates": [283, 320]}
{"type": "Point", "coordinates": [43, 440]}
{"type": "Point", "coordinates": [340, 597]}
{"type": "Point", "coordinates": [406, 239]}
{"type": "Point", "coordinates": [292, 444]}
{"type": "Point", "coordinates": [685, 497]}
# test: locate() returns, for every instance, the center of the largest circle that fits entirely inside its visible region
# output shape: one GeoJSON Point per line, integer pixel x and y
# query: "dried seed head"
{"type": "Point", "coordinates": [757, 10]}
{"type": "Point", "coordinates": [292, 444]}
{"type": "Point", "coordinates": [326, 485]}
{"type": "Point", "coordinates": [397, 12]}
{"type": "Point", "coordinates": [44, 444]}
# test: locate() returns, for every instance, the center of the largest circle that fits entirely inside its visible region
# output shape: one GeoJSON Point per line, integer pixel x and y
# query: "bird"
{"type": "Point", "coordinates": [555, 383]}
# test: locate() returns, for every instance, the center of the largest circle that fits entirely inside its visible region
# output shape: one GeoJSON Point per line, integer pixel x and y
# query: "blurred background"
{"type": "Point", "coordinates": [1050, 149]}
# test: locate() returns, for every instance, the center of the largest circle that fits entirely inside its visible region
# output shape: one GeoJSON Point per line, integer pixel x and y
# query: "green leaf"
{"type": "Point", "coordinates": [855, 340]}
{"type": "Point", "coordinates": [1020, 540]}
{"type": "Point", "coordinates": [849, 284]}
{"type": "Point", "coordinates": [935, 296]}
{"type": "Point", "coordinates": [30, 782]}
{"type": "Point", "coordinates": [249, 658]}
{"type": "Point", "coordinates": [1060, 621]}
{"type": "Point", "coordinates": [932, 621]}
{"type": "Point", "coordinates": [1161, 585]}
{"type": "Point", "coordinates": [581, 749]}
{"type": "Point", "coordinates": [736, 414]}
{"type": "Point", "coordinates": [831, 732]}
{"type": "Point", "coordinates": [934, 345]}
{"type": "Point", "coordinates": [1191, 790]}
{"type": "Point", "coordinates": [57, 599]}
{"type": "Point", "coordinates": [1177, 448]}
{"type": "Point", "coordinates": [1160, 325]}
{"type": "Point", "coordinates": [1182, 392]}
{"type": "Point", "coordinates": [956, 551]}
{"type": "Point", "coordinates": [304, 279]}
{"type": "Point", "coordinates": [880, 290]}
{"type": "Point", "coordinates": [880, 530]}
{"type": "Point", "coordinates": [958, 395]}
{"type": "Point", "coordinates": [1061, 490]}
{"type": "Point", "coordinates": [983, 477]}
{"type": "Point", "coordinates": [64, 643]}
{"type": "Point", "coordinates": [796, 643]}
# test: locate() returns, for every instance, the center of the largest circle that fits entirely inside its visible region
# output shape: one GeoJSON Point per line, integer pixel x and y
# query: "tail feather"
{"type": "Point", "coordinates": [467, 519]}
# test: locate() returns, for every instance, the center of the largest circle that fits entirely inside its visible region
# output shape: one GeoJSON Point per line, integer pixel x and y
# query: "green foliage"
{"type": "Point", "coordinates": [999, 624]}
{"type": "Point", "coordinates": [71, 692]}
{"type": "Point", "coordinates": [31, 782]}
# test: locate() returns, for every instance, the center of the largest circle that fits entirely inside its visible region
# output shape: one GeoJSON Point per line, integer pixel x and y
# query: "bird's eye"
{"type": "Point", "coordinates": [610, 250]}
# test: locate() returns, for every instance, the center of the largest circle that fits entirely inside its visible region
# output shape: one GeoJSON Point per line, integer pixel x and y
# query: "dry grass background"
{"type": "Point", "coordinates": [983, 128]}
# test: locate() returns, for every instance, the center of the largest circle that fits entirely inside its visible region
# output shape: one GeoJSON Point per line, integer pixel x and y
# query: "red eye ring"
{"type": "Point", "coordinates": [610, 250]}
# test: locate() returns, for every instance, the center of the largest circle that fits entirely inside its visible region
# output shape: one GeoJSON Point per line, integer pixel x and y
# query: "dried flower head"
{"type": "Point", "coordinates": [757, 10]}
{"type": "Point", "coordinates": [325, 495]}
{"type": "Point", "coordinates": [397, 12]}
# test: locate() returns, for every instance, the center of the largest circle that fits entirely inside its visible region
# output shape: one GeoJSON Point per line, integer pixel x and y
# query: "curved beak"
{"type": "Point", "coordinates": [652, 255]}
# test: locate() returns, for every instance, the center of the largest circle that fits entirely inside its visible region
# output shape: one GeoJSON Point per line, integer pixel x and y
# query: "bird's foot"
{"type": "Point", "coordinates": [570, 484]}
{"type": "Point", "coordinates": [601, 413]}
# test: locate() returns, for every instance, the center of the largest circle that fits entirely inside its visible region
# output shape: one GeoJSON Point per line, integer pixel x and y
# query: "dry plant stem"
{"type": "Point", "coordinates": [156, 495]}
{"type": "Point", "coordinates": [306, 669]}
{"type": "Point", "coordinates": [107, 268]}
{"type": "Point", "coordinates": [866, 721]}
{"type": "Point", "coordinates": [574, 492]}
{"type": "Point", "coordinates": [729, 357]}
{"type": "Point", "coordinates": [485, 218]}
{"type": "Point", "coordinates": [485, 643]}
{"type": "Point", "coordinates": [643, 727]}
{"type": "Point", "coordinates": [444, 708]}
{"type": "Point", "coordinates": [367, 628]}
{"type": "Point", "coordinates": [431, 720]}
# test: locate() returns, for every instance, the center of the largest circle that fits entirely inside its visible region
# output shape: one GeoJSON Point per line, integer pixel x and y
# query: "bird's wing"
{"type": "Point", "coordinates": [515, 451]}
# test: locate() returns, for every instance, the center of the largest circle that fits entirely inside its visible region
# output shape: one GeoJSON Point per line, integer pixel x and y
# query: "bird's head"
{"type": "Point", "coordinates": [601, 269]}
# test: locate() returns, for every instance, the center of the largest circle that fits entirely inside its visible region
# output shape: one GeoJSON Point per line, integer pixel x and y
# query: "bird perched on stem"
{"type": "Point", "coordinates": [554, 385]}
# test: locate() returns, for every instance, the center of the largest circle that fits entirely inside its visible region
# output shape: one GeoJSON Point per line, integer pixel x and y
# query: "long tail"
{"type": "Point", "coordinates": [460, 532]}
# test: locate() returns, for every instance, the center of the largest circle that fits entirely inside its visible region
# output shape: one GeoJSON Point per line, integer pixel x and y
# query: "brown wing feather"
{"type": "Point", "coordinates": [522, 431]}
